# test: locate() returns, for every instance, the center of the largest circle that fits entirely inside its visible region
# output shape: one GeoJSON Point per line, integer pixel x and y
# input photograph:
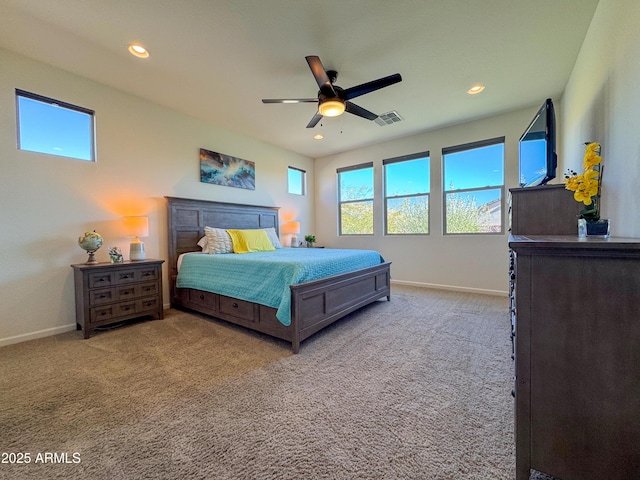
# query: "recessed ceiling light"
{"type": "Point", "coordinates": [318, 136]}
{"type": "Point", "coordinates": [475, 89]}
{"type": "Point", "coordinates": [138, 51]}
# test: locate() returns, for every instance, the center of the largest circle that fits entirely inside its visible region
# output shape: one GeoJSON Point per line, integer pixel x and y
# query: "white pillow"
{"type": "Point", "coordinates": [273, 236]}
{"type": "Point", "coordinates": [203, 243]}
{"type": "Point", "coordinates": [218, 240]}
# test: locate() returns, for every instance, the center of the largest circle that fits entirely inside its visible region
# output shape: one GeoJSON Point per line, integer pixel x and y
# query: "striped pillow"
{"type": "Point", "coordinates": [218, 240]}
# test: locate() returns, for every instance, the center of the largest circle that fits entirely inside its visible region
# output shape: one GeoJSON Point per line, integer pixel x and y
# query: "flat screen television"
{"type": "Point", "coordinates": [538, 159]}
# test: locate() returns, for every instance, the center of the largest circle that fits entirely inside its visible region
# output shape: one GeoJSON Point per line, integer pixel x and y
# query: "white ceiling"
{"type": "Point", "coordinates": [216, 59]}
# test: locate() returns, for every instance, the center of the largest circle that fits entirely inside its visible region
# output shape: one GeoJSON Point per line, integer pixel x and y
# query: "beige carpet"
{"type": "Point", "coordinates": [415, 388]}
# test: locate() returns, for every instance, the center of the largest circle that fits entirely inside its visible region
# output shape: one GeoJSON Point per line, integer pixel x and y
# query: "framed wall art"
{"type": "Point", "coordinates": [221, 169]}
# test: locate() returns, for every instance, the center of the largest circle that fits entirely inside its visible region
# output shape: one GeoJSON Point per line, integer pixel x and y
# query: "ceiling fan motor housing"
{"type": "Point", "coordinates": [333, 75]}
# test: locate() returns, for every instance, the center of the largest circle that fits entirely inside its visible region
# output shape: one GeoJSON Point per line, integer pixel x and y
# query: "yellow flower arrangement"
{"type": "Point", "coordinates": [586, 186]}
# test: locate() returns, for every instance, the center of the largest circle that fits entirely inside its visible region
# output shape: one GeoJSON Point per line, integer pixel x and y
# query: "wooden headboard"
{"type": "Point", "coordinates": [187, 219]}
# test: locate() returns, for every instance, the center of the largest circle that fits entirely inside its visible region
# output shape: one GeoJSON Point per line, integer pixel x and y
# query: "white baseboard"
{"type": "Point", "coordinates": [482, 291]}
{"type": "Point", "coordinates": [43, 333]}
{"type": "Point", "coordinates": [39, 334]}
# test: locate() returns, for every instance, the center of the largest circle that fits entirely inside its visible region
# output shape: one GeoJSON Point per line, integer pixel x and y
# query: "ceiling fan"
{"type": "Point", "coordinates": [333, 100]}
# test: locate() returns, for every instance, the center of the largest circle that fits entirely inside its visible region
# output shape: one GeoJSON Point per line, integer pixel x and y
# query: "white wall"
{"type": "Point", "coordinates": [467, 262]}
{"type": "Point", "coordinates": [144, 152]}
{"type": "Point", "coordinates": [602, 103]}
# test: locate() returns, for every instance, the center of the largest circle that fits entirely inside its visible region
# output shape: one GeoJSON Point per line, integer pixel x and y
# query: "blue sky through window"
{"type": "Point", "coordinates": [476, 168]}
{"type": "Point", "coordinates": [409, 177]}
{"type": "Point", "coordinates": [54, 130]}
{"type": "Point", "coordinates": [296, 181]}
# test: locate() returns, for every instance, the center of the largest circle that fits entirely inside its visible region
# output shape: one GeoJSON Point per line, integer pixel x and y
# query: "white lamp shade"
{"type": "Point", "coordinates": [136, 226]}
{"type": "Point", "coordinates": [291, 227]}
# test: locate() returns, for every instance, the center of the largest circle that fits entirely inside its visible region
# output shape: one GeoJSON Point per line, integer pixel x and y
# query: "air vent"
{"type": "Point", "coordinates": [388, 118]}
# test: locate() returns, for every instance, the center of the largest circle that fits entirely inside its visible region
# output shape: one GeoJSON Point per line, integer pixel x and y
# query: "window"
{"type": "Point", "coordinates": [473, 187]}
{"type": "Point", "coordinates": [49, 126]}
{"type": "Point", "coordinates": [406, 194]}
{"type": "Point", "coordinates": [355, 202]}
{"type": "Point", "coordinates": [297, 181]}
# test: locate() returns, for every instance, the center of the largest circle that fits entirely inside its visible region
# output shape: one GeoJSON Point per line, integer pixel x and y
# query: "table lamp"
{"type": "Point", "coordinates": [294, 229]}
{"type": "Point", "coordinates": [136, 227]}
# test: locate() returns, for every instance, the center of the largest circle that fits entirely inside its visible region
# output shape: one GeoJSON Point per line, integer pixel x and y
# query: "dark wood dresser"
{"type": "Point", "coordinates": [576, 314]}
{"type": "Point", "coordinates": [108, 293]}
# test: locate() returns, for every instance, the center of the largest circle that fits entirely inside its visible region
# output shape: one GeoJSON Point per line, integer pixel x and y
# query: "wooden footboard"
{"type": "Point", "coordinates": [319, 303]}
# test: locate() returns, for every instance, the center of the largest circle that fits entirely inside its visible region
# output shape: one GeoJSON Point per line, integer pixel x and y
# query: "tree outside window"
{"type": "Point", "coordinates": [473, 187]}
{"type": "Point", "coordinates": [406, 185]}
{"type": "Point", "coordinates": [355, 200]}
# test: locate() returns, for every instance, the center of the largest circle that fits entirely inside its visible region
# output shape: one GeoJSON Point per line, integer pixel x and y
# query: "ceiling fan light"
{"type": "Point", "coordinates": [331, 108]}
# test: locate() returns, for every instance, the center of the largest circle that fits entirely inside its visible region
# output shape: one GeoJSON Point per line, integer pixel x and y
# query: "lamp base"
{"type": "Point", "coordinates": [136, 251]}
{"type": "Point", "coordinates": [294, 242]}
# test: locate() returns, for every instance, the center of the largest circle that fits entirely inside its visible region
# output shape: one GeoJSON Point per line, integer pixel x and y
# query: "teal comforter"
{"type": "Point", "coordinates": [265, 277]}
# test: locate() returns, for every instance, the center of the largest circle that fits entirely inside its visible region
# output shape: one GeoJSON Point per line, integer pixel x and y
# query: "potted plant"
{"type": "Point", "coordinates": [310, 239]}
{"type": "Point", "coordinates": [586, 189]}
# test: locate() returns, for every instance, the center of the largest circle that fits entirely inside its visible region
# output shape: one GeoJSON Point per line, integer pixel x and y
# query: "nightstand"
{"type": "Point", "coordinates": [108, 293]}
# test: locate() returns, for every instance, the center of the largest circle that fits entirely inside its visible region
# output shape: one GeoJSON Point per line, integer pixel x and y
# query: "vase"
{"type": "Point", "coordinates": [582, 228]}
{"type": "Point", "coordinates": [599, 229]}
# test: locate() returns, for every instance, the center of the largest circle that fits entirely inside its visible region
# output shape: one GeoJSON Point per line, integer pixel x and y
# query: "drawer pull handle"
{"type": "Point", "coordinates": [201, 297]}
{"type": "Point", "coordinates": [125, 276]}
{"type": "Point", "coordinates": [235, 305]}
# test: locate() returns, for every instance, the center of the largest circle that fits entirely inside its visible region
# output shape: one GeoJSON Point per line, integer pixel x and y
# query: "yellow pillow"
{"type": "Point", "coordinates": [245, 241]}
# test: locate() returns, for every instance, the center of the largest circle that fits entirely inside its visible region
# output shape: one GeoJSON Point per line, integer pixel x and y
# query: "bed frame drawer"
{"type": "Point", "coordinates": [206, 299]}
{"type": "Point", "coordinates": [238, 308]}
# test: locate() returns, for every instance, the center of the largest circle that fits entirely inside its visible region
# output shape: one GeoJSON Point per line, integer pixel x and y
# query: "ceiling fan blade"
{"type": "Point", "coordinates": [314, 121]}
{"type": "Point", "coordinates": [372, 86]}
{"type": "Point", "coordinates": [320, 74]}
{"type": "Point", "coordinates": [289, 100]}
{"type": "Point", "coordinates": [359, 111]}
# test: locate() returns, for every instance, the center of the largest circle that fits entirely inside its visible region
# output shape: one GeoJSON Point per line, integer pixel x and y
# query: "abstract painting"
{"type": "Point", "coordinates": [221, 169]}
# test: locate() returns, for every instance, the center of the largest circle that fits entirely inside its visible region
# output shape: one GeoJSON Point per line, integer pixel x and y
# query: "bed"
{"type": "Point", "coordinates": [314, 304]}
